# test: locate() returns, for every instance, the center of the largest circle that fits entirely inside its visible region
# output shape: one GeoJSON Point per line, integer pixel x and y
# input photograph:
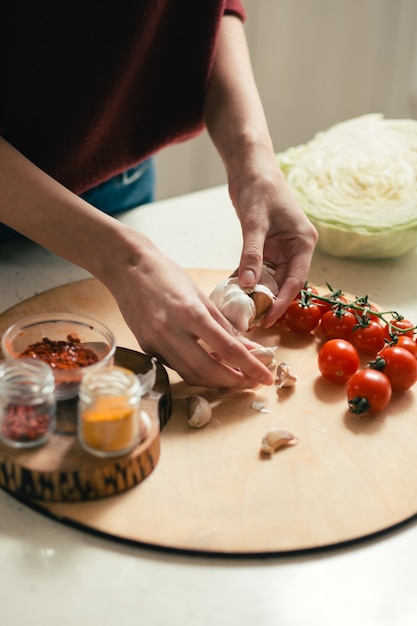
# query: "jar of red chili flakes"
{"type": "Point", "coordinates": [27, 403]}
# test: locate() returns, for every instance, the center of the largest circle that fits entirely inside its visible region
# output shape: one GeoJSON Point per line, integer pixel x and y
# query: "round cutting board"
{"type": "Point", "coordinates": [213, 492]}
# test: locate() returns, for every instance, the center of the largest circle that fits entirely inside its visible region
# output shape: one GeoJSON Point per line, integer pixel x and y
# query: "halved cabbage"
{"type": "Point", "coordinates": [357, 183]}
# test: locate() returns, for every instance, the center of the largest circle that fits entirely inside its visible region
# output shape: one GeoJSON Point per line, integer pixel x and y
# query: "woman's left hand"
{"type": "Point", "coordinates": [275, 230]}
{"type": "Point", "coordinates": [274, 227]}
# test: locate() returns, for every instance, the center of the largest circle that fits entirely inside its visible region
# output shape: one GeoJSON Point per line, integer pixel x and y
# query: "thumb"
{"type": "Point", "coordinates": [250, 265]}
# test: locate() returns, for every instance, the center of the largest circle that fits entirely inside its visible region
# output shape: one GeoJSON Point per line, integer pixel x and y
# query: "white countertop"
{"type": "Point", "coordinates": [51, 574]}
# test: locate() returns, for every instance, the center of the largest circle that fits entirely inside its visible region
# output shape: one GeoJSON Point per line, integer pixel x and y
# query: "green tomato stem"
{"type": "Point", "coordinates": [358, 405]}
{"type": "Point", "coordinates": [359, 304]}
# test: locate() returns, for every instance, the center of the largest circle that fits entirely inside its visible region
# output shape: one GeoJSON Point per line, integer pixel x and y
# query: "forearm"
{"type": "Point", "coordinates": [37, 206]}
{"type": "Point", "coordinates": [234, 114]}
{"type": "Point", "coordinates": [153, 293]}
{"type": "Point", "coordinates": [274, 227]}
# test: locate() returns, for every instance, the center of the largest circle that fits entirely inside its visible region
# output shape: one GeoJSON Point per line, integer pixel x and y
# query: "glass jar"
{"type": "Point", "coordinates": [108, 411]}
{"type": "Point", "coordinates": [27, 403]}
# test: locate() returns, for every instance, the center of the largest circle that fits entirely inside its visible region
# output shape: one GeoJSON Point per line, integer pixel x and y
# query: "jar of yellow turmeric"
{"type": "Point", "coordinates": [108, 411]}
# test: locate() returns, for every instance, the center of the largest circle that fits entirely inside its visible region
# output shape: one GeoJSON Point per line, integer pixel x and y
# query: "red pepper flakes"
{"type": "Point", "coordinates": [24, 423]}
{"type": "Point", "coordinates": [63, 355]}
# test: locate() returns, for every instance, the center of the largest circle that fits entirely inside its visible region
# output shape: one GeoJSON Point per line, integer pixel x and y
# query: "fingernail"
{"type": "Point", "coordinates": [247, 278]}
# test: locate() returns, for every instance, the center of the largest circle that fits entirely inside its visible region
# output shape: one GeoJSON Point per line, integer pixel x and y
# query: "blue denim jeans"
{"type": "Point", "coordinates": [125, 191]}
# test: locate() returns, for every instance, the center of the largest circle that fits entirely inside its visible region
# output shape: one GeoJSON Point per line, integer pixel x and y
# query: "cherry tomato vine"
{"type": "Point", "coordinates": [349, 327]}
{"type": "Point", "coordinates": [393, 323]}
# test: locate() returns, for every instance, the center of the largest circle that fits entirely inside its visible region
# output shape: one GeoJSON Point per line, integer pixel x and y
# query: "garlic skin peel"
{"type": "Point", "coordinates": [244, 307]}
{"type": "Point", "coordinates": [284, 376]}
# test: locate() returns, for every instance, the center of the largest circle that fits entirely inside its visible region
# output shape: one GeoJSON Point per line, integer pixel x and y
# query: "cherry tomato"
{"type": "Point", "coordinates": [403, 341]}
{"type": "Point", "coordinates": [399, 327]}
{"type": "Point", "coordinates": [338, 361]}
{"type": "Point", "coordinates": [336, 324]}
{"type": "Point", "coordinates": [368, 391]}
{"type": "Point", "coordinates": [399, 365]}
{"type": "Point", "coordinates": [302, 318]}
{"type": "Point", "coordinates": [369, 338]}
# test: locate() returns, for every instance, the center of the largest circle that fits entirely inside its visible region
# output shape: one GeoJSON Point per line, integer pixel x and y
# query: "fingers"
{"type": "Point", "coordinates": [289, 290]}
{"type": "Point", "coordinates": [289, 253]}
{"type": "Point", "coordinates": [206, 350]}
{"type": "Point", "coordinates": [251, 259]}
{"type": "Point", "coordinates": [230, 366]}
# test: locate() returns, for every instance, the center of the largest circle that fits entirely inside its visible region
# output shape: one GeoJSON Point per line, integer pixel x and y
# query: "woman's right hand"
{"type": "Point", "coordinates": [174, 320]}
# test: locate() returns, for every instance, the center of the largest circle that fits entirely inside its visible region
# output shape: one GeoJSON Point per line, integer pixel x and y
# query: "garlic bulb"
{"type": "Point", "coordinates": [235, 304]}
{"type": "Point", "coordinates": [244, 307]}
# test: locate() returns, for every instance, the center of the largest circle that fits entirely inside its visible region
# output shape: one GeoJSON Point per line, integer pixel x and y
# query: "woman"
{"type": "Point", "coordinates": [89, 92]}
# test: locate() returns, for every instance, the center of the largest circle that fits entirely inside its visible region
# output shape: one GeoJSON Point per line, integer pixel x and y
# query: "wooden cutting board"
{"type": "Point", "coordinates": [349, 478]}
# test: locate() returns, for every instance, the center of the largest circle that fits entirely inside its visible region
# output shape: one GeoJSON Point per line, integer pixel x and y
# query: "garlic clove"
{"type": "Point", "coordinates": [267, 279]}
{"type": "Point", "coordinates": [263, 299]}
{"type": "Point", "coordinates": [277, 438]}
{"type": "Point", "coordinates": [284, 376]}
{"type": "Point", "coordinates": [265, 355]}
{"type": "Point", "coordinates": [199, 411]}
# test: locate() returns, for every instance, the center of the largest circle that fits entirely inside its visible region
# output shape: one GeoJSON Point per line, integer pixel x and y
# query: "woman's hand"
{"type": "Point", "coordinates": [174, 320]}
{"type": "Point", "coordinates": [275, 229]}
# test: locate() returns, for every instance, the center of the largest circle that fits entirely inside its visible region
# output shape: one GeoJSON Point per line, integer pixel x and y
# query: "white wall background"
{"type": "Point", "coordinates": [316, 62]}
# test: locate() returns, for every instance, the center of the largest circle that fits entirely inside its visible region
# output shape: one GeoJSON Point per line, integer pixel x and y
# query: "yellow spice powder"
{"type": "Point", "coordinates": [110, 424]}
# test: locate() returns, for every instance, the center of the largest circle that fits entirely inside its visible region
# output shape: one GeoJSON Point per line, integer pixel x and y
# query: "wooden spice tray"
{"type": "Point", "coordinates": [61, 471]}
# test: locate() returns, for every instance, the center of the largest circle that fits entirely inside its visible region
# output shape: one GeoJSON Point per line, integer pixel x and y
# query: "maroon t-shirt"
{"type": "Point", "coordinates": [88, 89]}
